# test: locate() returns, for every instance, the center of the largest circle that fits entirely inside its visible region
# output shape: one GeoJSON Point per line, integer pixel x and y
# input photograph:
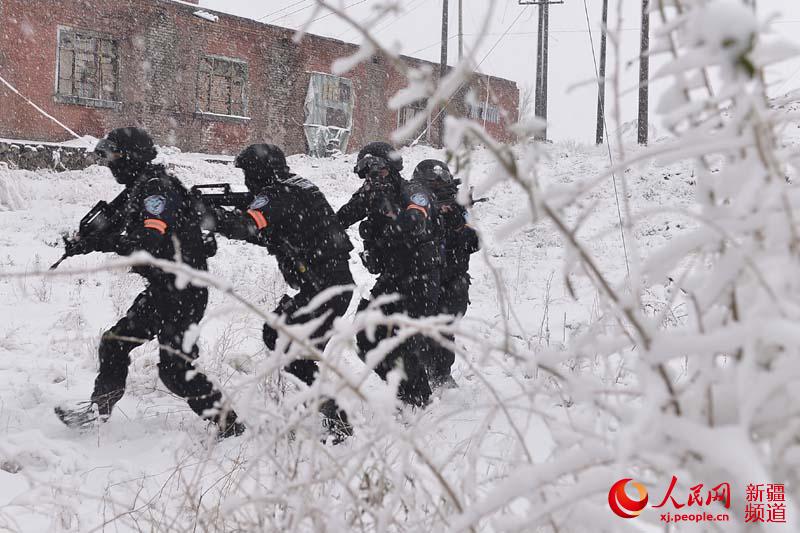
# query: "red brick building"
{"type": "Point", "coordinates": [202, 81]}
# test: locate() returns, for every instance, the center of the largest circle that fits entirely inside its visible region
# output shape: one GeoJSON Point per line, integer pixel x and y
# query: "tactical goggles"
{"type": "Point", "coordinates": [107, 151]}
{"type": "Point", "coordinates": [370, 165]}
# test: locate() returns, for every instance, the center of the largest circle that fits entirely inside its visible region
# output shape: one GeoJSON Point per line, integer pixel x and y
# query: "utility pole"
{"type": "Point", "coordinates": [601, 80]}
{"type": "Point", "coordinates": [545, 63]}
{"type": "Point", "coordinates": [443, 64]}
{"type": "Point", "coordinates": [460, 29]}
{"type": "Point", "coordinates": [540, 102]}
{"type": "Point", "coordinates": [644, 72]}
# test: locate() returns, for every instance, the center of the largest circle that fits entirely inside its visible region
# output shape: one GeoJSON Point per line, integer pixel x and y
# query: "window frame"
{"type": "Point", "coordinates": [63, 98]}
{"type": "Point", "coordinates": [419, 106]}
{"type": "Point", "coordinates": [210, 113]}
{"type": "Point", "coordinates": [328, 119]}
{"type": "Point", "coordinates": [482, 112]}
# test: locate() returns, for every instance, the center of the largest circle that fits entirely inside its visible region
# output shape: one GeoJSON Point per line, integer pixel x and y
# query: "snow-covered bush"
{"type": "Point", "coordinates": [707, 395]}
{"type": "Point", "coordinates": [11, 195]}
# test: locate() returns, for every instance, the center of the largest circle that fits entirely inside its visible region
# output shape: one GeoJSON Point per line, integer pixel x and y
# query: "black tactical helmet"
{"type": "Point", "coordinates": [258, 158]}
{"type": "Point", "coordinates": [434, 172]}
{"type": "Point", "coordinates": [132, 144]}
{"type": "Point", "coordinates": [384, 151]}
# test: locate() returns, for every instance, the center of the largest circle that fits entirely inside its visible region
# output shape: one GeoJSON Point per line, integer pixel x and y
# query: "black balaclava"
{"type": "Point", "coordinates": [384, 151]}
{"type": "Point", "coordinates": [127, 152]}
{"type": "Point", "coordinates": [262, 164]}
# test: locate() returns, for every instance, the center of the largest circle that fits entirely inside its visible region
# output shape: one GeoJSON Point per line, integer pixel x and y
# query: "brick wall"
{"type": "Point", "coordinates": [161, 44]}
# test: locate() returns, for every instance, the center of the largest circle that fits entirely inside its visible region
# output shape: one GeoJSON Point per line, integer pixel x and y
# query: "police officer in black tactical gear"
{"type": "Point", "coordinates": [400, 245]}
{"type": "Point", "coordinates": [161, 218]}
{"type": "Point", "coordinates": [291, 217]}
{"type": "Point", "coordinates": [459, 241]}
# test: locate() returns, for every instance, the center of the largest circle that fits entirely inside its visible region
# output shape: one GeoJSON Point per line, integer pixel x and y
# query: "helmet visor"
{"type": "Point", "coordinates": [107, 151]}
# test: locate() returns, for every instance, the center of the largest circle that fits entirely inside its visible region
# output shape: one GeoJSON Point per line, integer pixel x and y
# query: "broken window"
{"type": "Point", "coordinates": [329, 114]}
{"type": "Point", "coordinates": [407, 113]}
{"type": "Point", "coordinates": [483, 112]}
{"type": "Point", "coordinates": [88, 65]}
{"type": "Point", "coordinates": [221, 86]}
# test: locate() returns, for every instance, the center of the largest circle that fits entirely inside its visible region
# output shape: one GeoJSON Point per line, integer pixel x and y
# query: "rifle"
{"type": "Point", "coordinates": [210, 203]}
{"type": "Point", "coordinates": [224, 198]}
{"type": "Point", "coordinates": [448, 195]}
{"type": "Point", "coordinates": [102, 220]}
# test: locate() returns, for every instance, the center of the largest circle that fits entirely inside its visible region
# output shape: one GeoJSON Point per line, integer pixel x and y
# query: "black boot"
{"type": "Point", "coordinates": [82, 415]}
{"type": "Point", "coordinates": [106, 401]}
{"type": "Point", "coordinates": [334, 422]}
{"type": "Point", "coordinates": [229, 427]}
{"type": "Point", "coordinates": [443, 381]}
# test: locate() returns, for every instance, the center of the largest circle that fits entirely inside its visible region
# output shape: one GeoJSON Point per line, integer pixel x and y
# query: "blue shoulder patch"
{"type": "Point", "coordinates": [155, 204]}
{"type": "Point", "coordinates": [420, 199]}
{"type": "Point", "coordinates": [259, 201]}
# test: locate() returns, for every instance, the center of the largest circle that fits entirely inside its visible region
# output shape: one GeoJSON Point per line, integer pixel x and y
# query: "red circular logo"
{"type": "Point", "coordinates": [621, 504]}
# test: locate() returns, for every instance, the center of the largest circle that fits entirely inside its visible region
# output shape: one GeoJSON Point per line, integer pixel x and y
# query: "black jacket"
{"type": "Point", "coordinates": [398, 226]}
{"type": "Point", "coordinates": [460, 241]}
{"type": "Point", "coordinates": [159, 213]}
{"type": "Point", "coordinates": [294, 221]}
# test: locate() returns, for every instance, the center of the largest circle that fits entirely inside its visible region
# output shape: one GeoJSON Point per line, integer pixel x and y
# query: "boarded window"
{"type": "Point", "coordinates": [482, 112]}
{"type": "Point", "coordinates": [221, 86]}
{"type": "Point", "coordinates": [329, 114]}
{"type": "Point", "coordinates": [407, 113]}
{"type": "Point", "coordinates": [88, 65]}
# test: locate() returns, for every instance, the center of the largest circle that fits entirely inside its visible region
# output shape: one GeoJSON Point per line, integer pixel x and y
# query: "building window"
{"type": "Point", "coordinates": [407, 113]}
{"type": "Point", "coordinates": [88, 66]}
{"type": "Point", "coordinates": [482, 112]}
{"type": "Point", "coordinates": [329, 113]}
{"type": "Point", "coordinates": [221, 87]}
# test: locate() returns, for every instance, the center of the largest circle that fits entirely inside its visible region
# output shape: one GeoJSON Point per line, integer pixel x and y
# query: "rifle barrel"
{"type": "Point", "coordinates": [55, 265]}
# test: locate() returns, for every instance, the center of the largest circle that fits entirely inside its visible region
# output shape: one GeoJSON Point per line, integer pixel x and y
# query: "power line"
{"type": "Point", "coordinates": [608, 145]}
{"type": "Point", "coordinates": [444, 107]}
{"type": "Point", "coordinates": [391, 21]}
{"type": "Point", "coordinates": [281, 9]}
{"type": "Point", "coordinates": [304, 8]}
{"type": "Point", "coordinates": [293, 12]}
{"type": "Point", "coordinates": [513, 33]}
{"type": "Point", "coordinates": [344, 8]}
{"type": "Point", "coordinates": [437, 43]}
{"type": "Point", "coordinates": [502, 36]}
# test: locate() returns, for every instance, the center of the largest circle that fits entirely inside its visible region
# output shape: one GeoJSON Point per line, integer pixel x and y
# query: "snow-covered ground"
{"type": "Point", "coordinates": [154, 464]}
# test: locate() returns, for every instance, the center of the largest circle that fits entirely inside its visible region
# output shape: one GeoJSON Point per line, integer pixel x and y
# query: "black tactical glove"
{"type": "Point", "coordinates": [377, 190]}
{"type": "Point", "coordinates": [227, 222]}
{"type": "Point", "coordinates": [75, 245]}
{"type": "Point", "coordinates": [371, 261]}
{"type": "Point", "coordinates": [452, 216]}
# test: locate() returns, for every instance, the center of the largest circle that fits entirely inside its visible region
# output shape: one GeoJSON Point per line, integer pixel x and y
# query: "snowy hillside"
{"type": "Point", "coordinates": [155, 465]}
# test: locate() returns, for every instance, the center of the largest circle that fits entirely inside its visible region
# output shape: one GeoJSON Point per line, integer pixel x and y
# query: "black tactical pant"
{"type": "Point", "coordinates": [419, 297]}
{"type": "Point", "coordinates": [166, 314]}
{"type": "Point", "coordinates": [454, 300]}
{"type": "Point", "coordinates": [306, 369]}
